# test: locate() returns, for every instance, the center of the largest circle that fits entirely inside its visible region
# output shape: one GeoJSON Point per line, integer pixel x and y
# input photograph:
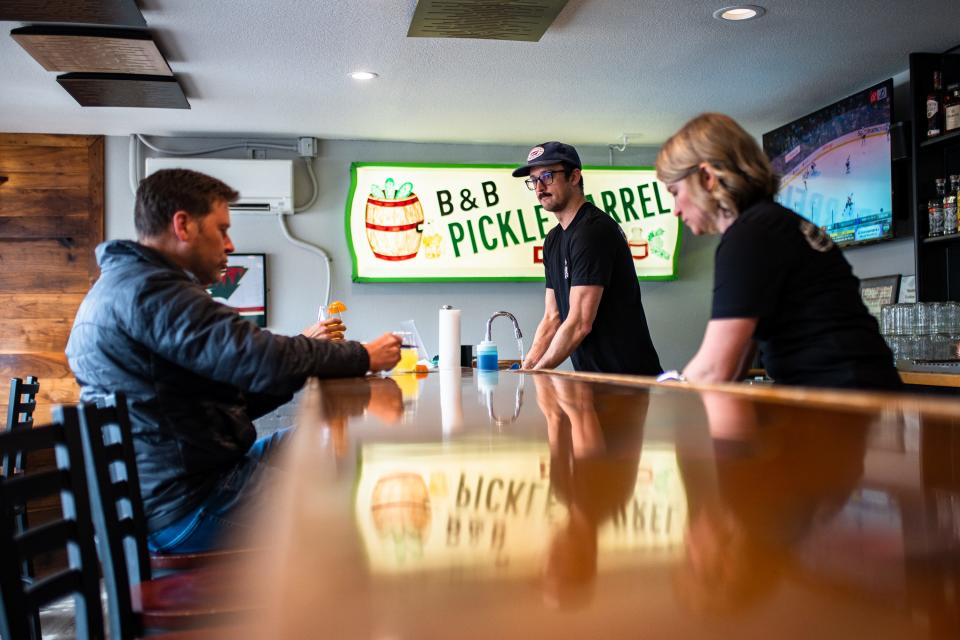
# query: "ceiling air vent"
{"type": "Point", "coordinates": [524, 20]}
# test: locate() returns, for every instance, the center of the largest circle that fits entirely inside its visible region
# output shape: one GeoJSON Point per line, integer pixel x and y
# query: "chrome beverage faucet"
{"type": "Point", "coordinates": [516, 325]}
{"type": "Point", "coordinates": [488, 337]}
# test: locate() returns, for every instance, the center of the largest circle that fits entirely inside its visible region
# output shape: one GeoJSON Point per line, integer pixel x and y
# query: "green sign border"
{"type": "Point", "coordinates": [431, 165]}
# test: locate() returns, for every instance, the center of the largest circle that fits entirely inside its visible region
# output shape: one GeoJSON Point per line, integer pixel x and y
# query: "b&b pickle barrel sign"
{"type": "Point", "coordinates": [430, 222]}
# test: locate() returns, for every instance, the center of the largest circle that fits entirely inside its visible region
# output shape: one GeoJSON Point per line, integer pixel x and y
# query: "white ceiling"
{"type": "Point", "coordinates": [604, 68]}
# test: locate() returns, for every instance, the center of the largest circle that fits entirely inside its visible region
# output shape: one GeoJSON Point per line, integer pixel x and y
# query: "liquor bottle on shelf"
{"type": "Point", "coordinates": [955, 190]}
{"type": "Point", "coordinates": [935, 107]}
{"type": "Point", "coordinates": [950, 207]}
{"type": "Point", "coordinates": [951, 109]}
{"type": "Point", "coordinates": [935, 209]}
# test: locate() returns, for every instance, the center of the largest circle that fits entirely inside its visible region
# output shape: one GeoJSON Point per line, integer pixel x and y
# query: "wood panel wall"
{"type": "Point", "coordinates": [51, 219]}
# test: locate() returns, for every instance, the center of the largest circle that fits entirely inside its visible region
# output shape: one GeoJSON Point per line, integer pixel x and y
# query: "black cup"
{"type": "Point", "coordinates": [466, 355]}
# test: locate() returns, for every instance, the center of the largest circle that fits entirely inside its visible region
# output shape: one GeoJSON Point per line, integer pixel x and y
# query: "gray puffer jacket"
{"type": "Point", "coordinates": [195, 373]}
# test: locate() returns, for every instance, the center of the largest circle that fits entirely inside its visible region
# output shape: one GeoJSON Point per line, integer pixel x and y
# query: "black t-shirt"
{"type": "Point", "coordinates": [593, 251]}
{"type": "Point", "coordinates": [813, 329]}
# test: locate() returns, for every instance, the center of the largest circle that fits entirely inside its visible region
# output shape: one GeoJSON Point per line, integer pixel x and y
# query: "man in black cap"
{"type": "Point", "coordinates": [593, 313]}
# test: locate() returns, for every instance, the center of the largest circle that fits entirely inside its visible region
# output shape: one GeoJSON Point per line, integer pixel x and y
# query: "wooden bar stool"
{"type": "Point", "coordinates": [137, 601]}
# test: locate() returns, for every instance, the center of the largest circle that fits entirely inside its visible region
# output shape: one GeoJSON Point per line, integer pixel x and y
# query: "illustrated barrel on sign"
{"type": "Point", "coordinates": [394, 227]}
{"type": "Point", "coordinates": [400, 506]}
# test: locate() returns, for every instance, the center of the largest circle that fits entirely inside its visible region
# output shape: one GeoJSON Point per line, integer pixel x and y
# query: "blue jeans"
{"type": "Point", "coordinates": [223, 512]}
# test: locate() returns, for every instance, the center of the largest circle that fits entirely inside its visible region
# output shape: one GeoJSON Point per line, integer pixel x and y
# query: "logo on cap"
{"type": "Point", "coordinates": [536, 152]}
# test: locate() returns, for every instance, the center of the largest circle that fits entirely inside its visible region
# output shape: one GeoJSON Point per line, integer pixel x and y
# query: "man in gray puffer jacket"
{"type": "Point", "coordinates": [194, 371]}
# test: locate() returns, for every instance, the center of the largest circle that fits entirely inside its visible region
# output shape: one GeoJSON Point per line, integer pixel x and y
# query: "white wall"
{"type": "Point", "coordinates": [883, 259]}
{"type": "Point", "coordinates": [676, 311]}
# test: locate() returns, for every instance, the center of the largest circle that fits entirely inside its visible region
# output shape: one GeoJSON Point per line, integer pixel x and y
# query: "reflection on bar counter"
{"type": "Point", "coordinates": [487, 383]}
{"type": "Point", "coordinates": [490, 510]}
{"type": "Point", "coordinates": [612, 509]}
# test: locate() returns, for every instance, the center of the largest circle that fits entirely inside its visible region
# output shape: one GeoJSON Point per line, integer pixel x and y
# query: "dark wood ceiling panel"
{"type": "Point", "coordinates": [121, 13]}
{"type": "Point", "coordinates": [119, 90]}
{"type": "Point", "coordinates": [67, 49]}
{"type": "Point", "coordinates": [524, 20]}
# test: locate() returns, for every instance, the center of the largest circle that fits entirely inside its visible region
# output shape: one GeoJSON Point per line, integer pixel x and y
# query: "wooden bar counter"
{"type": "Point", "coordinates": [506, 505]}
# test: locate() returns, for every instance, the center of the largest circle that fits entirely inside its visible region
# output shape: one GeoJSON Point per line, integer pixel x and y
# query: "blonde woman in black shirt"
{"type": "Point", "coordinates": [780, 284]}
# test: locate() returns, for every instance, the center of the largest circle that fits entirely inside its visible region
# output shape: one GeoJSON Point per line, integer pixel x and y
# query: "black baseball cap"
{"type": "Point", "coordinates": [546, 154]}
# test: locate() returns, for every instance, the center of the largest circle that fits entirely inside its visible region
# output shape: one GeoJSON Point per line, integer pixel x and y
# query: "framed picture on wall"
{"type": "Point", "coordinates": [243, 286]}
{"type": "Point", "coordinates": [879, 291]}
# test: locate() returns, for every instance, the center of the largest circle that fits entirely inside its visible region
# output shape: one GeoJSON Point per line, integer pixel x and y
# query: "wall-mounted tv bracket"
{"type": "Point", "coordinates": [900, 140]}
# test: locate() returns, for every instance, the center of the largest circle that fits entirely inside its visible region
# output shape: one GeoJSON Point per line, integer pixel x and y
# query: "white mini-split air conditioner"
{"type": "Point", "coordinates": [265, 186]}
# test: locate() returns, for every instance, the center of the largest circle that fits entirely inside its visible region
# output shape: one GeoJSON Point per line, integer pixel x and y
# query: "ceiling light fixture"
{"type": "Point", "coordinates": [739, 12]}
{"type": "Point", "coordinates": [363, 75]}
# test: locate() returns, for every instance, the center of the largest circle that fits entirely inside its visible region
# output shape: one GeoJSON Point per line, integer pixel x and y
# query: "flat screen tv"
{"type": "Point", "coordinates": [835, 166]}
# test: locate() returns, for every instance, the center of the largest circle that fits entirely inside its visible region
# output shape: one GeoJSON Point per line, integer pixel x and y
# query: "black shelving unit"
{"type": "Point", "coordinates": [953, 237]}
{"type": "Point", "coordinates": [943, 139]}
{"type": "Point", "coordinates": [937, 258]}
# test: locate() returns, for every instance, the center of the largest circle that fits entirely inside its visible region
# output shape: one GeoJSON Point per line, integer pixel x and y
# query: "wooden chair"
{"type": "Point", "coordinates": [22, 599]}
{"type": "Point", "coordinates": [23, 402]}
{"type": "Point", "coordinates": [136, 600]}
{"type": "Point", "coordinates": [165, 563]}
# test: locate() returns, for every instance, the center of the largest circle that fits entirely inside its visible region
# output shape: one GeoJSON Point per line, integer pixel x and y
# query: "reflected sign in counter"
{"type": "Point", "coordinates": [496, 510]}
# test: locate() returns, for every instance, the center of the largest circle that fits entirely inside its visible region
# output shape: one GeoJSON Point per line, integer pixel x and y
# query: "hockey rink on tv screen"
{"type": "Point", "coordinates": [844, 186]}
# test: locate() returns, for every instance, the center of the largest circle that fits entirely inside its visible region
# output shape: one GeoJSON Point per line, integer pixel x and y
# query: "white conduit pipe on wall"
{"type": "Point", "coordinates": [136, 162]}
{"type": "Point", "coordinates": [243, 144]}
{"type": "Point", "coordinates": [312, 248]}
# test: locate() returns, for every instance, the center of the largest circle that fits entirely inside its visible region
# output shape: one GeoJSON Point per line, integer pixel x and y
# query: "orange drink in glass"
{"type": "Point", "coordinates": [408, 353]}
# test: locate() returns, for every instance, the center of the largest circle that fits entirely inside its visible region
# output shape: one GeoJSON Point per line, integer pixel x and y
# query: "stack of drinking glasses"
{"type": "Point", "coordinates": [922, 331]}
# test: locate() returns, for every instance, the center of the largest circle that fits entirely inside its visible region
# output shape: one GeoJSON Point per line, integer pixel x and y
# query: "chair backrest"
{"type": "Point", "coordinates": [22, 599]}
{"type": "Point", "coordinates": [23, 401]}
{"type": "Point", "coordinates": [118, 515]}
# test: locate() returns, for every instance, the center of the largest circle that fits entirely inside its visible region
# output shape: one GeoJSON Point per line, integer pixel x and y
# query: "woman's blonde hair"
{"type": "Point", "coordinates": [744, 174]}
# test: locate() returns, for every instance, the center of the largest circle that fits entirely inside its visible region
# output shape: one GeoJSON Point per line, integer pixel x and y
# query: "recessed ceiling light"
{"type": "Point", "coordinates": [363, 75]}
{"type": "Point", "coordinates": [739, 12]}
